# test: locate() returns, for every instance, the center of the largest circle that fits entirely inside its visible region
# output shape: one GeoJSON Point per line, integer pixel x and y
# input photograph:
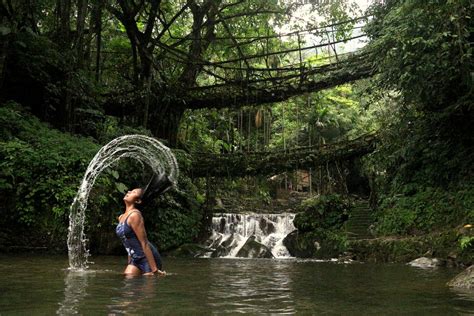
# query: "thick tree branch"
{"type": "Point", "coordinates": [151, 18]}
{"type": "Point", "coordinates": [228, 30]}
{"type": "Point", "coordinates": [209, 9]}
{"type": "Point", "coordinates": [167, 25]}
{"type": "Point", "coordinates": [224, 7]}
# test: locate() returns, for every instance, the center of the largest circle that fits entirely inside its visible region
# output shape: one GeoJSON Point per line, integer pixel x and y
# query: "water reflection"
{"type": "Point", "coordinates": [134, 296]}
{"type": "Point", "coordinates": [75, 285]}
{"type": "Point", "coordinates": [251, 286]}
{"type": "Point", "coordinates": [464, 301]}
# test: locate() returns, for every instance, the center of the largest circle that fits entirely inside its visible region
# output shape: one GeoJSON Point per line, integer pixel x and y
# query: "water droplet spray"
{"type": "Point", "coordinates": [146, 150]}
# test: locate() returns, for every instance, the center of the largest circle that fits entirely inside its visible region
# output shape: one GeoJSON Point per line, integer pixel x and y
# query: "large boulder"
{"type": "Point", "coordinates": [425, 263]}
{"type": "Point", "coordinates": [464, 280]}
{"type": "Point", "coordinates": [188, 251]}
{"type": "Point", "coordinates": [214, 241]}
{"type": "Point", "coordinates": [224, 248]}
{"type": "Point", "coordinates": [316, 245]}
{"type": "Point", "coordinates": [297, 247]}
{"type": "Point", "coordinates": [266, 226]}
{"type": "Point", "coordinates": [253, 249]}
{"type": "Point", "coordinates": [220, 251]}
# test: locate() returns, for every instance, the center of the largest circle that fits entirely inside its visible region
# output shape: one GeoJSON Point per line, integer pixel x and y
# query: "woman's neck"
{"type": "Point", "coordinates": [129, 207]}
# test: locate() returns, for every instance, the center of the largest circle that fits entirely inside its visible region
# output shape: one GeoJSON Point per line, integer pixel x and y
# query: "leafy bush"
{"type": "Point", "coordinates": [424, 160]}
{"type": "Point", "coordinates": [423, 49]}
{"type": "Point", "coordinates": [425, 210]}
{"type": "Point", "coordinates": [466, 243]}
{"type": "Point", "coordinates": [176, 217]}
{"type": "Point", "coordinates": [326, 212]}
{"type": "Point", "coordinates": [40, 169]}
{"type": "Point", "coordinates": [319, 222]}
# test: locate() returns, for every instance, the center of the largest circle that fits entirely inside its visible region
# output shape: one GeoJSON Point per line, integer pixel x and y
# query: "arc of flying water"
{"type": "Point", "coordinates": [146, 150]}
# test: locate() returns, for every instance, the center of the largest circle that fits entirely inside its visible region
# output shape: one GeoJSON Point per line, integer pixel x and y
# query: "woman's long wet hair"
{"type": "Point", "coordinates": [158, 184]}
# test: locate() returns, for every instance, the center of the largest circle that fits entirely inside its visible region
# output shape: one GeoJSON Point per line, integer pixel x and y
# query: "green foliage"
{"type": "Point", "coordinates": [175, 218]}
{"type": "Point", "coordinates": [425, 209]}
{"type": "Point", "coordinates": [440, 244]}
{"type": "Point", "coordinates": [40, 169]}
{"type": "Point", "coordinates": [466, 243]}
{"type": "Point", "coordinates": [423, 49]}
{"type": "Point", "coordinates": [318, 118]}
{"type": "Point", "coordinates": [209, 131]}
{"type": "Point", "coordinates": [424, 160]}
{"type": "Point", "coordinates": [39, 64]}
{"type": "Point", "coordinates": [318, 243]}
{"type": "Point", "coordinates": [421, 98]}
{"type": "Point", "coordinates": [319, 222]}
{"type": "Point", "coordinates": [111, 128]}
{"type": "Point", "coordinates": [322, 212]}
{"type": "Point", "coordinates": [466, 246]}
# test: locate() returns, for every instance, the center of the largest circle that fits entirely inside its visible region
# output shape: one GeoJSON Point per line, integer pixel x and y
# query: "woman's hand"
{"type": "Point", "coordinates": [157, 272]}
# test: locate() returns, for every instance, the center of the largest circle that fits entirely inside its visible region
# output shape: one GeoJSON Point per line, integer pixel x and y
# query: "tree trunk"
{"type": "Point", "coordinates": [64, 33]}
{"type": "Point", "coordinates": [3, 52]}
{"type": "Point", "coordinates": [81, 20]}
{"type": "Point", "coordinates": [146, 105]}
{"type": "Point", "coordinates": [200, 43]}
{"type": "Point", "coordinates": [134, 61]}
{"type": "Point", "coordinates": [65, 109]}
{"type": "Point", "coordinates": [98, 31]}
{"type": "Point", "coordinates": [64, 21]}
{"type": "Point", "coordinates": [164, 122]}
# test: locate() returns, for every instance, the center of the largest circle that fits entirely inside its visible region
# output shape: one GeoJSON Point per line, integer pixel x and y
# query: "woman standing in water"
{"type": "Point", "coordinates": [143, 257]}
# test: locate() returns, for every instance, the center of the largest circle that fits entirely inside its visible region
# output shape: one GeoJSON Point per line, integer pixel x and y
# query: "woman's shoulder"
{"type": "Point", "coordinates": [135, 213]}
{"type": "Point", "coordinates": [135, 218]}
{"type": "Point", "coordinates": [132, 214]}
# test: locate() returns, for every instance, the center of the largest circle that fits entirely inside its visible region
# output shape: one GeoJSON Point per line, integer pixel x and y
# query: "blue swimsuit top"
{"type": "Point", "coordinates": [130, 240]}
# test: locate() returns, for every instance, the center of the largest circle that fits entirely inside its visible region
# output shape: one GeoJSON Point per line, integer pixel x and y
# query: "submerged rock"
{"type": "Point", "coordinates": [425, 263]}
{"type": "Point", "coordinates": [253, 249]}
{"type": "Point", "coordinates": [224, 247]}
{"type": "Point", "coordinates": [220, 251]}
{"type": "Point", "coordinates": [302, 245]}
{"type": "Point", "coordinates": [188, 251]}
{"type": "Point", "coordinates": [229, 242]}
{"type": "Point", "coordinates": [213, 242]}
{"type": "Point", "coordinates": [266, 226]}
{"type": "Point", "coordinates": [464, 280]}
{"type": "Point", "coordinates": [296, 248]}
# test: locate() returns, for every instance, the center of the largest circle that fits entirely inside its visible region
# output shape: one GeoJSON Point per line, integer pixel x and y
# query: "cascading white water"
{"type": "Point", "coordinates": [230, 232]}
{"type": "Point", "coordinates": [145, 149]}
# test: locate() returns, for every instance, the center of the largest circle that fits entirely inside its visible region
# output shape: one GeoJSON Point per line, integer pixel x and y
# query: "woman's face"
{"type": "Point", "coordinates": [133, 196]}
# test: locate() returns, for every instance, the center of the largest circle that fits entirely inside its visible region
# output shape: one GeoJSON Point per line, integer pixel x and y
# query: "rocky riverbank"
{"type": "Point", "coordinates": [441, 245]}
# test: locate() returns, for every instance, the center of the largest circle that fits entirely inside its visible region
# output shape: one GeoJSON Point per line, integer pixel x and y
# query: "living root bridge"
{"type": "Point", "coordinates": [268, 163]}
{"type": "Point", "coordinates": [277, 89]}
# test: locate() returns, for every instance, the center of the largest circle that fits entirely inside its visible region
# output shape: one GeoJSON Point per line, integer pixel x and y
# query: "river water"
{"type": "Point", "coordinates": [42, 285]}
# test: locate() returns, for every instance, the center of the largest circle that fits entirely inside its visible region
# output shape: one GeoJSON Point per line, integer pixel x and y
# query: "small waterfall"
{"type": "Point", "coordinates": [250, 235]}
{"type": "Point", "coordinates": [147, 150]}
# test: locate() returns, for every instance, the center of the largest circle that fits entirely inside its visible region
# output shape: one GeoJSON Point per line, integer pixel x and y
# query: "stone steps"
{"type": "Point", "coordinates": [360, 219]}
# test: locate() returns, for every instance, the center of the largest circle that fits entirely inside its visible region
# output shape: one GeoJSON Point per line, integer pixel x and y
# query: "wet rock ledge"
{"type": "Point", "coordinates": [464, 280]}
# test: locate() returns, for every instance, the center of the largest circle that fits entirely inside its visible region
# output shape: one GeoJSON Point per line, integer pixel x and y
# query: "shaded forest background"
{"type": "Point", "coordinates": [75, 74]}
